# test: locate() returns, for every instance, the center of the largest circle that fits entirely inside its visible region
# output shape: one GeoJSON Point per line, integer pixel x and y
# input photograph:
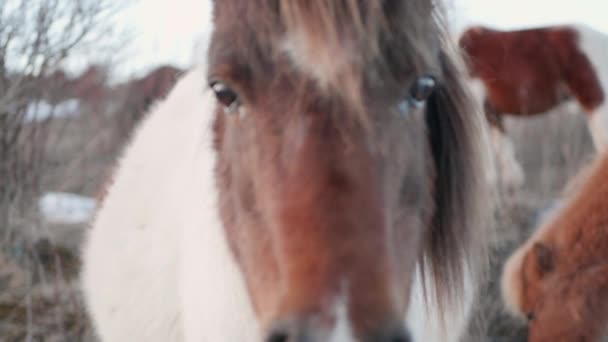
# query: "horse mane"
{"type": "Point", "coordinates": [455, 240]}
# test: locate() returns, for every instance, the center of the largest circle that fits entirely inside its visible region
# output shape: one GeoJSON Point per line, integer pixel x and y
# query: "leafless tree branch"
{"type": "Point", "coordinates": [37, 38]}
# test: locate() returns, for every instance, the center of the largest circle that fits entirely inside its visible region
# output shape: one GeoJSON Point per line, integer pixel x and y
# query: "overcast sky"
{"type": "Point", "coordinates": [165, 31]}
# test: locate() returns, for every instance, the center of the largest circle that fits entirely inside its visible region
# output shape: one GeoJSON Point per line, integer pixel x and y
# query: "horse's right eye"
{"type": "Point", "coordinates": [226, 96]}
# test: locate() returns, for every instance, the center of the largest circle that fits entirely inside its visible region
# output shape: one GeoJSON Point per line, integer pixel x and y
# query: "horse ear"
{"type": "Point", "coordinates": [544, 258]}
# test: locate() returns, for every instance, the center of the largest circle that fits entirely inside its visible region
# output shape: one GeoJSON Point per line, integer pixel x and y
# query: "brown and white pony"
{"type": "Point", "coordinates": [532, 71]}
{"type": "Point", "coordinates": [559, 278]}
{"type": "Point", "coordinates": [303, 185]}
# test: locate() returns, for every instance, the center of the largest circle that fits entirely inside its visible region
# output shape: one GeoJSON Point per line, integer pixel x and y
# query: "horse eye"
{"type": "Point", "coordinates": [422, 88]}
{"type": "Point", "coordinates": [420, 91]}
{"type": "Point", "coordinates": [226, 96]}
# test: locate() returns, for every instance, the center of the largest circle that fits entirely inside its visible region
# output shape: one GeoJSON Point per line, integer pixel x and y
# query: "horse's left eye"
{"type": "Point", "coordinates": [530, 316]}
{"type": "Point", "coordinates": [420, 91]}
{"type": "Point", "coordinates": [422, 88]}
{"type": "Point", "coordinates": [225, 95]}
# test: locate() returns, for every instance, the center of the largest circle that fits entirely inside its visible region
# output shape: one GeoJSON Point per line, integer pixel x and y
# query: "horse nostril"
{"type": "Point", "coordinates": [401, 338]}
{"type": "Point", "coordinates": [278, 335]}
{"type": "Point", "coordinates": [394, 335]}
{"type": "Point", "coordinates": [290, 330]}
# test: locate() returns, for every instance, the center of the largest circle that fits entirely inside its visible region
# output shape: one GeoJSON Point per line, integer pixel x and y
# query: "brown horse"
{"type": "Point", "coordinates": [529, 72]}
{"type": "Point", "coordinates": [341, 158]}
{"type": "Point", "coordinates": [559, 278]}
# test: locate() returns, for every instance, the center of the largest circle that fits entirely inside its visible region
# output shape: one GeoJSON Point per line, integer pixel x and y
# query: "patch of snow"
{"type": "Point", "coordinates": [66, 208]}
{"type": "Point", "coordinates": [42, 110]}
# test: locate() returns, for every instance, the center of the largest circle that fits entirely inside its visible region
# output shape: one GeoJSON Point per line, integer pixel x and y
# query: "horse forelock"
{"type": "Point", "coordinates": [332, 40]}
{"type": "Point", "coordinates": [343, 46]}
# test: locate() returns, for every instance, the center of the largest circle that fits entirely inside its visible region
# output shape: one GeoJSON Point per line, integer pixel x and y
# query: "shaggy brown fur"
{"type": "Point", "coordinates": [559, 277]}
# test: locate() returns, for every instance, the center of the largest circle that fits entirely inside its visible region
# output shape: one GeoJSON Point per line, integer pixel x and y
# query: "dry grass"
{"type": "Point", "coordinates": [551, 149]}
{"type": "Point", "coordinates": [39, 264]}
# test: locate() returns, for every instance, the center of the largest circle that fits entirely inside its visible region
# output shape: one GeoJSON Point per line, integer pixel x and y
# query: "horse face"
{"type": "Point", "coordinates": [323, 215]}
{"type": "Point", "coordinates": [326, 175]}
{"type": "Point", "coordinates": [571, 308]}
{"type": "Point", "coordinates": [561, 307]}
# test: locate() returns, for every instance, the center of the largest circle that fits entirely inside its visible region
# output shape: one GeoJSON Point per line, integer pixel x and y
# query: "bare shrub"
{"type": "Point", "coordinates": [37, 37]}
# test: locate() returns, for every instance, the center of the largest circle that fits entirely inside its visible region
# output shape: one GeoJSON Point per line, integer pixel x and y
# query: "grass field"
{"type": "Point", "coordinates": [551, 149]}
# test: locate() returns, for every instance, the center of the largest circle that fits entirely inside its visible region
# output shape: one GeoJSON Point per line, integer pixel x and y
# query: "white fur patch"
{"type": "Point", "coordinates": [342, 330]}
{"type": "Point", "coordinates": [322, 66]}
{"type": "Point", "coordinates": [424, 321]}
{"type": "Point", "coordinates": [477, 89]}
{"type": "Point", "coordinates": [215, 301]}
{"type": "Point", "coordinates": [129, 259]}
{"type": "Point", "coordinates": [156, 265]}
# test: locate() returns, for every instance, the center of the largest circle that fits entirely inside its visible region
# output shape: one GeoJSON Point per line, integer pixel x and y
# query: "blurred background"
{"type": "Point", "coordinates": [76, 76]}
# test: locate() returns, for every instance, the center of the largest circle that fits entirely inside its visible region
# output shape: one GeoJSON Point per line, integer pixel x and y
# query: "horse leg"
{"type": "Point", "coordinates": [597, 117]}
{"type": "Point", "coordinates": [597, 122]}
{"type": "Point", "coordinates": [585, 79]}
